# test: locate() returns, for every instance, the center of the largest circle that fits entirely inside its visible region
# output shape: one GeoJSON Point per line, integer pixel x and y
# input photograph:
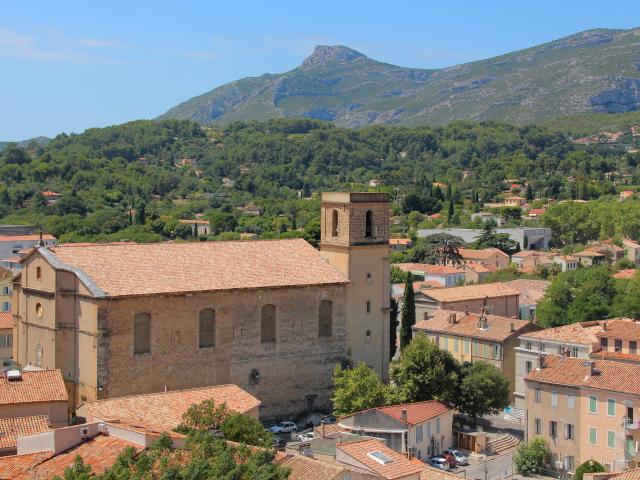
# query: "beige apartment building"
{"type": "Point", "coordinates": [273, 317]}
{"type": "Point", "coordinates": [493, 298]}
{"type": "Point", "coordinates": [6, 277]}
{"type": "Point", "coordinates": [585, 410]}
{"type": "Point", "coordinates": [492, 258]}
{"type": "Point", "coordinates": [473, 337]}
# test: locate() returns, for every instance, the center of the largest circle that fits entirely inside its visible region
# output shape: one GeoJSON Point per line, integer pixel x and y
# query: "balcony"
{"type": "Point", "coordinates": [631, 425]}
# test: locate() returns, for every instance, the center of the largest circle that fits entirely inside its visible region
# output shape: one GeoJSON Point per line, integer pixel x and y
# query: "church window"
{"type": "Point", "coordinates": [368, 306]}
{"type": "Point", "coordinates": [141, 333]}
{"type": "Point", "coordinates": [207, 328]}
{"type": "Point", "coordinates": [368, 227]}
{"type": "Point", "coordinates": [325, 320]}
{"type": "Point", "coordinates": [268, 324]}
{"type": "Point", "coordinates": [334, 223]}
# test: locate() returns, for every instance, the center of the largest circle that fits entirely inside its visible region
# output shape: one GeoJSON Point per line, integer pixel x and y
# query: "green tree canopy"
{"type": "Point", "coordinates": [357, 389]}
{"type": "Point", "coordinates": [484, 390]}
{"type": "Point", "coordinates": [530, 456]}
{"type": "Point", "coordinates": [408, 319]}
{"type": "Point", "coordinates": [590, 466]}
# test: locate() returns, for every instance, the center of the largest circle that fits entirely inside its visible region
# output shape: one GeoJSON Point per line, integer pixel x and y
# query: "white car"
{"type": "Point", "coordinates": [460, 457]}
{"type": "Point", "coordinates": [283, 427]}
{"type": "Point", "coordinates": [305, 437]}
{"type": "Point", "coordinates": [439, 462]}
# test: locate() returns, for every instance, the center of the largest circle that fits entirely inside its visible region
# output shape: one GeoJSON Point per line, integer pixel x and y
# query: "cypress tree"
{"type": "Point", "coordinates": [450, 212]}
{"type": "Point", "coordinates": [393, 327]}
{"type": "Point", "coordinates": [408, 313]}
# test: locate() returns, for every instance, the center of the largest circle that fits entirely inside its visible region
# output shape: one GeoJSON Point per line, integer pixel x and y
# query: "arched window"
{"type": "Point", "coordinates": [368, 226]}
{"type": "Point", "coordinates": [207, 328]}
{"type": "Point", "coordinates": [141, 333]}
{"type": "Point", "coordinates": [268, 324]}
{"type": "Point", "coordinates": [325, 318]}
{"type": "Point", "coordinates": [334, 223]}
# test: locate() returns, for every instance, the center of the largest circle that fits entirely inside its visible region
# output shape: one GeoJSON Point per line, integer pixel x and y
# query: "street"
{"type": "Point", "coordinates": [490, 468]}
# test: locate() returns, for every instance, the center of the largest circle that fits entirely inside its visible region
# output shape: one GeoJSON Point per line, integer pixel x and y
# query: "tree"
{"type": "Point", "coordinates": [245, 429]}
{"type": "Point", "coordinates": [484, 390]}
{"type": "Point", "coordinates": [424, 372]}
{"type": "Point", "coordinates": [408, 313]}
{"type": "Point", "coordinates": [486, 239]}
{"type": "Point", "coordinates": [627, 299]}
{"type": "Point", "coordinates": [78, 471]}
{"type": "Point", "coordinates": [357, 389]}
{"type": "Point", "coordinates": [205, 415]}
{"type": "Point", "coordinates": [393, 327]}
{"type": "Point", "coordinates": [530, 456]}
{"type": "Point", "coordinates": [397, 276]}
{"type": "Point", "coordinates": [439, 248]}
{"type": "Point", "coordinates": [450, 210]}
{"type": "Point", "coordinates": [141, 214]}
{"type": "Point", "coordinates": [528, 193]}
{"type": "Point", "coordinates": [590, 466]}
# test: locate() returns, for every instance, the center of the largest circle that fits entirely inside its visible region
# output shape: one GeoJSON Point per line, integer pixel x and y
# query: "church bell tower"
{"type": "Point", "coordinates": [355, 239]}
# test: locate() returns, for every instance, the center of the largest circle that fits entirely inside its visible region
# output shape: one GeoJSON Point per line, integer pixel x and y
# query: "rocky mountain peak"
{"type": "Point", "coordinates": [323, 54]}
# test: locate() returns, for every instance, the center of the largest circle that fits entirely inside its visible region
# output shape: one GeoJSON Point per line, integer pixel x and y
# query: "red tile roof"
{"type": "Point", "coordinates": [305, 468]}
{"type": "Point", "coordinates": [531, 291]}
{"type": "Point", "coordinates": [481, 254]}
{"type": "Point", "coordinates": [6, 320]}
{"type": "Point", "coordinates": [165, 409]}
{"type": "Point", "coordinates": [498, 328]}
{"type": "Point", "coordinates": [99, 453]}
{"type": "Point", "coordinates": [417, 412]}
{"type": "Point", "coordinates": [25, 238]}
{"type": "Point", "coordinates": [621, 328]}
{"type": "Point", "coordinates": [606, 355]}
{"type": "Point", "coordinates": [11, 428]}
{"type": "Point", "coordinates": [400, 241]}
{"type": "Point", "coordinates": [399, 466]}
{"type": "Point", "coordinates": [477, 267]}
{"type": "Point", "coordinates": [471, 292]}
{"type": "Point", "coordinates": [626, 273]}
{"type": "Point", "coordinates": [583, 333]}
{"type": "Point", "coordinates": [13, 466]}
{"type": "Point", "coordinates": [34, 387]}
{"type": "Point", "coordinates": [610, 375]}
{"type": "Point", "coordinates": [147, 269]}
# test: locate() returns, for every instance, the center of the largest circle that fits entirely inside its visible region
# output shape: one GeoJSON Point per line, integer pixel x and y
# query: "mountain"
{"type": "Point", "coordinates": [39, 141]}
{"type": "Point", "coordinates": [593, 71]}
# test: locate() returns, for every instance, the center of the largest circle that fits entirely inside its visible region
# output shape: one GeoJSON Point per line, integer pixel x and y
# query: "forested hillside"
{"type": "Point", "coordinates": [128, 181]}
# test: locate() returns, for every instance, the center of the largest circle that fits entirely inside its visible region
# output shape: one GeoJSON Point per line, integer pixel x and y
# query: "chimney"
{"type": "Point", "coordinates": [592, 367]}
{"type": "Point", "coordinates": [541, 362]}
{"type": "Point", "coordinates": [604, 326]}
{"type": "Point", "coordinates": [455, 318]}
{"type": "Point", "coordinates": [404, 415]}
{"type": "Point", "coordinates": [512, 327]}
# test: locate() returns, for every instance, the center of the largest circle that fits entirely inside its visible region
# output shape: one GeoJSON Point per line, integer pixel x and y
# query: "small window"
{"type": "Point", "coordinates": [39, 310]}
{"type": "Point", "coordinates": [334, 223]}
{"type": "Point", "coordinates": [528, 345]}
{"type": "Point", "coordinates": [554, 399]}
{"type": "Point", "coordinates": [141, 333]}
{"type": "Point", "coordinates": [593, 404]}
{"type": "Point", "coordinates": [10, 340]}
{"type": "Point", "coordinates": [541, 346]}
{"type": "Point", "coordinates": [207, 328]}
{"type": "Point", "coordinates": [611, 439]}
{"type": "Point", "coordinates": [268, 324]}
{"type": "Point", "coordinates": [574, 352]}
{"type": "Point", "coordinates": [633, 347]}
{"type": "Point", "coordinates": [3, 341]}
{"type": "Point", "coordinates": [593, 435]}
{"type": "Point", "coordinates": [368, 307]}
{"type": "Point", "coordinates": [466, 346]}
{"type": "Point", "coordinates": [367, 336]}
{"type": "Point", "coordinates": [368, 226]}
{"type": "Point", "coordinates": [538, 395]}
{"type": "Point", "coordinates": [571, 401]}
{"type": "Point", "coordinates": [528, 366]}
{"type": "Point", "coordinates": [455, 344]}
{"type": "Point", "coordinates": [611, 407]}
{"type": "Point", "coordinates": [538, 426]}
{"type": "Point", "coordinates": [418, 433]}
{"type": "Point", "coordinates": [496, 350]}
{"type": "Point", "coordinates": [38, 273]}
{"type": "Point", "coordinates": [437, 425]}
{"type": "Point", "coordinates": [568, 431]}
{"type": "Point", "coordinates": [618, 345]}
{"type": "Point", "coordinates": [604, 342]}
{"type": "Point", "coordinates": [325, 320]}
{"type": "Point", "coordinates": [553, 429]}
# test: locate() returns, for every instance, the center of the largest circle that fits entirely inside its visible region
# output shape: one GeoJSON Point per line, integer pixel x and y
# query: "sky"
{"type": "Point", "coordinates": [72, 65]}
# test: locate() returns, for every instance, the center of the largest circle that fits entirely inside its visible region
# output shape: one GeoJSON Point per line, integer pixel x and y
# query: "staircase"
{"type": "Point", "coordinates": [502, 444]}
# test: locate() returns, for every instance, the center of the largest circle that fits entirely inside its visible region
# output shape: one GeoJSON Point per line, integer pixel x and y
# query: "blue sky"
{"type": "Point", "coordinates": [72, 65]}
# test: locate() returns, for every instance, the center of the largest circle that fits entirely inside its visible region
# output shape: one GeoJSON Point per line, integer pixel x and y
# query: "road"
{"type": "Point", "coordinates": [490, 468]}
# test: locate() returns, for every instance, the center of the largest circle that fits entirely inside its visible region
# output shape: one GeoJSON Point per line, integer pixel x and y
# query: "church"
{"type": "Point", "coordinates": [271, 316]}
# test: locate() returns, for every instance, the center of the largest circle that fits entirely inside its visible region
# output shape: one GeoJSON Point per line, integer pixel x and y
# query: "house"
{"type": "Point", "coordinates": [144, 318]}
{"type": "Point", "coordinates": [625, 274]}
{"type": "Point", "coordinates": [633, 250]}
{"type": "Point", "coordinates": [535, 213]}
{"type": "Point", "coordinates": [495, 298]}
{"type": "Point", "coordinates": [577, 340]}
{"type": "Point", "coordinates": [473, 337]}
{"type": "Point", "coordinates": [514, 201]}
{"type": "Point", "coordinates": [188, 162]}
{"type": "Point", "coordinates": [10, 245]}
{"type": "Point", "coordinates": [566, 262]}
{"type": "Point", "coordinates": [475, 272]}
{"type": "Point", "coordinates": [423, 429]}
{"type": "Point", "coordinates": [490, 257]}
{"type": "Point", "coordinates": [435, 216]}
{"type": "Point", "coordinates": [531, 292]}
{"type": "Point", "coordinates": [227, 182]}
{"type": "Point", "coordinates": [252, 210]}
{"type": "Point", "coordinates": [6, 277]}
{"type": "Point", "coordinates": [12, 428]}
{"type": "Point", "coordinates": [375, 183]}
{"type": "Point", "coordinates": [588, 258]}
{"type": "Point", "coordinates": [305, 468]}
{"type": "Point", "coordinates": [29, 393]}
{"type": "Point", "coordinates": [531, 259]}
{"type": "Point", "coordinates": [633, 474]}
{"type": "Point", "coordinates": [165, 409]}
{"type": "Point", "coordinates": [6, 336]}
{"type": "Point", "coordinates": [585, 410]}
{"type": "Point", "coordinates": [613, 251]}
{"type": "Point", "coordinates": [400, 244]}
{"type": "Point", "coordinates": [378, 460]}
{"type": "Point", "coordinates": [200, 226]}
{"type": "Point", "coordinates": [485, 217]}
{"type": "Point", "coordinates": [619, 339]}
{"type": "Point", "coordinates": [529, 238]}
{"type": "Point", "coordinates": [51, 197]}
{"type": "Point", "coordinates": [626, 194]}
{"type": "Point", "coordinates": [447, 276]}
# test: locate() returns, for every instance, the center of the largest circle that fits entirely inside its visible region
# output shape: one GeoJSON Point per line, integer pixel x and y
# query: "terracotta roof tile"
{"type": "Point", "coordinates": [621, 328]}
{"type": "Point", "coordinates": [99, 453]}
{"type": "Point", "coordinates": [471, 292]}
{"type": "Point", "coordinates": [606, 355]}
{"type": "Point", "coordinates": [578, 333]}
{"type": "Point", "coordinates": [400, 241]}
{"type": "Point", "coordinates": [483, 254]}
{"type": "Point", "coordinates": [610, 375]}
{"type": "Point", "coordinates": [305, 468]}
{"type": "Point", "coordinates": [25, 238]}
{"type": "Point", "coordinates": [35, 386]}
{"type": "Point", "coordinates": [6, 320]}
{"type": "Point", "coordinates": [417, 412]}
{"type": "Point", "coordinates": [13, 466]}
{"type": "Point", "coordinates": [399, 466]}
{"type": "Point", "coordinates": [531, 291]}
{"type": "Point", "coordinates": [626, 274]}
{"type": "Point", "coordinates": [145, 269]}
{"type": "Point", "coordinates": [165, 409]}
{"type": "Point", "coordinates": [430, 473]}
{"type": "Point", "coordinates": [498, 328]}
{"type": "Point", "coordinates": [477, 267]}
{"type": "Point", "coordinates": [633, 474]}
{"type": "Point", "coordinates": [11, 428]}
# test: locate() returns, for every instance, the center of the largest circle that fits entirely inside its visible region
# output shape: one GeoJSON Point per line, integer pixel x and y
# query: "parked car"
{"type": "Point", "coordinates": [329, 419]}
{"type": "Point", "coordinates": [283, 427]}
{"type": "Point", "coordinates": [305, 437]}
{"type": "Point", "coordinates": [451, 459]}
{"type": "Point", "coordinates": [439, 462]}
{"type": "Point", "coordinates": [460, 457]}
{"type": "Point", "coordinates": [279, 443]}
